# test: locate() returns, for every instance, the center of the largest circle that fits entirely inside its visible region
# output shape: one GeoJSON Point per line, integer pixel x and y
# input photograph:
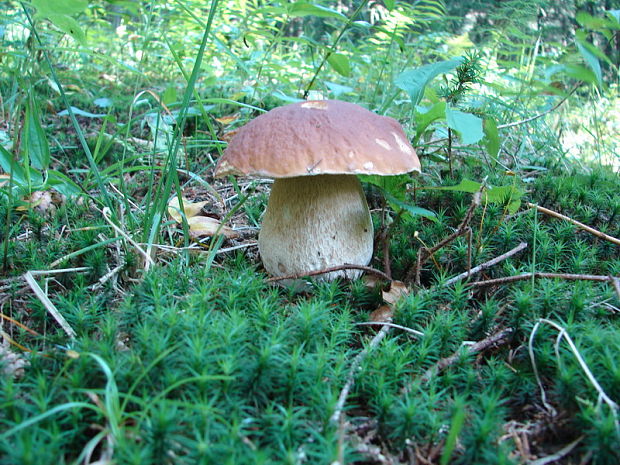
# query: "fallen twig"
{"type": "Point", "coordinates": [540, 115]}
{"type": "Point", "coordinates": [424, 253]}
{"type": "Point", "coordinates": [562, 333]}
{"type": "Point", "coordinates": [391, 325]}
{"type": "Point", "coordinates": [106, 277]}
{"type": "Point", "coordinates": [47, 303]}
{"type": "Point", "coordinates": [615, 282]}
{"type": "Point", "coordinates": [500, 337]}
{"type": "Point", "coordinates": [346, 266]}
{"type": "Point", "coordinates": [488, 264]}
{"type": "Point", "coordinates": [585, 227]}
{"type": "Point", "coordinates": [563, 452]}
{"type": "Point", "coordinates": [147, 258]}
{"type": "Point", "coordinates": [357, 361]}
{"type": "Point", "coordinates": [524, 276]}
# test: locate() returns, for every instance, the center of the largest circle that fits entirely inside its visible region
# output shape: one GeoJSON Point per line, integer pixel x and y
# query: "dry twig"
{"type": "Point", "coordinates": [498, 338]}
{"type": "Point", "coordinates": [540, 115]}
{"type": "Point", "coordinates": [391, 325]}
{"type": "Point", "coordinates": [585, 227]}
{"type": "Point", "coordinates": [342, 398]}
{"type": "Point", "coordinates": [47, 303]}
{"type": "Point", "coordinates": [525, 276]}
{"type": "Point", "coordinates": [563, 334]}
{"type": "Point", "coordinates": [346, 266]}
{"type": "Point", "coordinates": [147, 257]}
{"type": "Point", "coordinates": [424, 253]}
{"type": "Point", "coordinates": [488, 264]}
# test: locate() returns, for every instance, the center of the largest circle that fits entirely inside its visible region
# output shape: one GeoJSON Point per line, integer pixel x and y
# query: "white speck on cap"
{"type": "Point", "coordinates": [368, 165]}
{"type": "Point", "coordinates": [316, 104]}
{"type": "Point", "coordinates": [402, 145]}
{"type": "Point", "coordinates": [383, 143]}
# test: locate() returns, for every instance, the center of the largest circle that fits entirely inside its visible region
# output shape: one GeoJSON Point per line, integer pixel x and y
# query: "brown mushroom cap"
{"type": "Point", "coordinates": [319, 137]}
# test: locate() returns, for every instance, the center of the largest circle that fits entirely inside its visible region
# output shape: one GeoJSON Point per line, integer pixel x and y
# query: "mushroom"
{"type": "Point", "coordinates": [317, 216]}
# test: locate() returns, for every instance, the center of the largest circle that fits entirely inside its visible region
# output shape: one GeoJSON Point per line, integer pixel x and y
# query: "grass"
{"type": "Point", "coordinates": [198, 363]}
{"type": "Point", "coordinates": [199, 359]}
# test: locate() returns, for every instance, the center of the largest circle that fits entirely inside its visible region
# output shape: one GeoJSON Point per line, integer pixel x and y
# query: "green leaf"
{"type": "Point", "coordinates": [45, 8]}
{"type": "Point", "coordinates": [468, 126]}
{"type": "Point", "coordinates": [582, 39]}
{"type": "Point", "coordinates": [62, 183]}
{"type": "Point", "coordinates": [466, 185]}
{"type": "Point", "coordinates": [59, 11]}
{"type": "Point", "coordinates": [340, 64]}
{"type": "Point", "coordinates": [34, 140]}
{"type": "Point", "coordinates": [68, 25]}
{"type": "Point", "coordinates": [491, 139]}
{"type": "Point", "coordinates": [592, 61]}
{"type": "Point", "coordinates": [581, 73]}
{"type": "Point", "coordinates": [394, 189]}
{"type": "Point", "coordinates": [393, 185]}
{"type": "Point", "coordinates": [594, 23]}
{"type": "Point", "coordinates": [409, 210]}
{"type": "Point", "coordinates": [9, 166]}
{"type": "Point", "coordinates": [389, 4]}
{"type": "Point", "coordinates": [300, 9]}
{"type": "Point", "coordinates": [170, 95]}
{"type": "Point", "coordinates": [413, 81]}
{"type": "Point", "coordinates": [424, 119]}
{"type": "Point", "coordinates": [456, 425]}
{"type": "Point", "coordinates": [510, 196]}
{"type": "Point", "coordinates": [338, 89]}
{"type": "Point", "coordinates": [86, 114]}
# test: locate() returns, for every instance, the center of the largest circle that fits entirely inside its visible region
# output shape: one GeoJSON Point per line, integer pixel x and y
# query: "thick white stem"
{"type": "Point", "coordinates": [316, 222]}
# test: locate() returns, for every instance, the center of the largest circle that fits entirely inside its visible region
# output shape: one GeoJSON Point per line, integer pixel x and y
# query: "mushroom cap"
{"type": "Point", "coordinates": [318, 137]}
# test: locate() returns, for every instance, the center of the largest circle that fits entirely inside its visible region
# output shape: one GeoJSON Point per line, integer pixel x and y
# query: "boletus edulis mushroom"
{"type": "Point", "coordinates": [317, 216]}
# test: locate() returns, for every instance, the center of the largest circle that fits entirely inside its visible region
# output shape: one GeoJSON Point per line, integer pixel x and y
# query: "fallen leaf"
{"type": "Point", "coordinates": [190, 208]}
{"type": "Point", "coordinates": [397, 291]}
{"type": "Point", "coordinates": [228, 135]}
{"type": "Point", "coordinates": [13, 363]}
{"type": "Point", "coordinates": [372, 281]}
{"type": "Point", "coordinates": [4, 179]}
{"type": "Point", "coordinates": [206, 226]}
{"type": "Point", "coordinates": [227, 119]}
{"type": "Point", "coordinates": [383, 314]}
{"type": "Point", "coordinates": [42, 201]}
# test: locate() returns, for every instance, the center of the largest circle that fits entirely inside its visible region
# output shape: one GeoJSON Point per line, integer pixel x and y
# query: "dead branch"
{"type": "Point", "coordinates": [616, 284]}
{"type": "Point", "coordinates": [540, 115]}
{"type": "Point", "coordinates": [488, 264]}
{"type": "Point", "coordinates": [391, 325]}
{"type": "Point", "coordinates": [585, 227]}
{"type": "Point", "coordinates": [498, 338]}
{"type": "Point", "coordinates": [424, 254]}
{"type": "Point", "coordinates": [355, 365]}
{"type": "Point", "coordinates": [346, 266]}
{"type": "Point", "coordinates": [525, 276]}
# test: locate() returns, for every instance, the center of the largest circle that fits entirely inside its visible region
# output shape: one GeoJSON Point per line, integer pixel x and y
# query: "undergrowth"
{"type": "Point", "coordinates": [185, 352]}
{"type": "Point", "coordinates": [218, 365]}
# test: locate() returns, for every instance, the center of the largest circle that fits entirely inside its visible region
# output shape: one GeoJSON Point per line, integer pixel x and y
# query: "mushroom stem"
{"type": "Point", "coordinates": [316, 222]}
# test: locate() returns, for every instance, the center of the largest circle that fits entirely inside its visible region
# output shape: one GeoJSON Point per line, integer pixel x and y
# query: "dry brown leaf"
{"type": "Point", "coordinates": [191, 208]}
{"type": "Point", "coordinates": [13, 363]}
{"type": "Point", "coordinates": [228, 135]}
{"type": "Point", "coordinates": [372, 281]}
{"type": "Point", "coordinates": [4, 179]}
{"type": "Point", "coordinates": [383, 314]}
{"type": "Point", "coordinates": [42, 201]}
{"type": "Point", "coordinates": [397, 291]}
{"type": "Point", "coordinates": [228, 119]}
{"type": "Point", "coordinates": [206, 226]}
